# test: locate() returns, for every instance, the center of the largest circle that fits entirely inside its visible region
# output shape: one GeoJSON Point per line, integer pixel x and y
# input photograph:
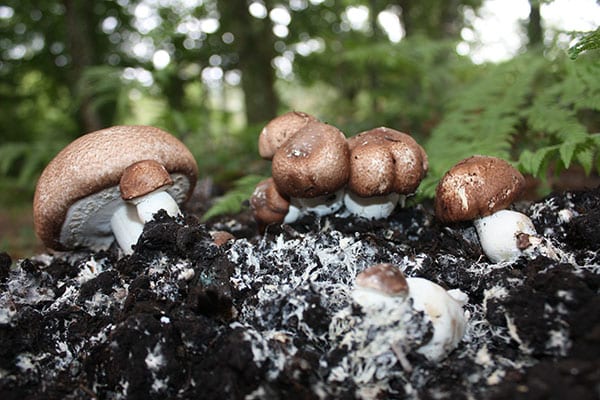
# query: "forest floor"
{"type": "Point", "coordinates": [272, 316]}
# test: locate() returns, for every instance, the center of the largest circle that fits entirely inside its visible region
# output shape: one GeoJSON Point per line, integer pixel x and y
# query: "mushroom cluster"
{"type": "Point", "coordinates": [481, 189]}
{"type": "Point", "coordinates": [107, 184]}
{"type": "Point", "coordinates": [315, 169]}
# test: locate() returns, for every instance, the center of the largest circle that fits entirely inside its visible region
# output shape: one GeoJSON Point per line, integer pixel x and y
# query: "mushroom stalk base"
{"type": "Point", "coordinates": [376, 207]}
{"type": "Point", "coordinates": [321, 206]}
{"type": "Point", "coordinates": [507, 235]}
{"type": "Point", "coordinates": [127, 222]}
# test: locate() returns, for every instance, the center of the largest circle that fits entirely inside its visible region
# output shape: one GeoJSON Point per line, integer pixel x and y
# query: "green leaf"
{"type": "Point", "coordinates": [231, 202]}
{"type": "Point", "coordinates": [567, 150]}
{"type": "Point", "coordinates": [589, 41]}
{"type": "Point", "coordinates": [586, 159]}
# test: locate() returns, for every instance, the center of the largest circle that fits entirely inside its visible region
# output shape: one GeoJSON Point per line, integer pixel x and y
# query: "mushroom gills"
{"type": "Point", "coordinates": [507, 235]}
{"type": "Point", "coordinates": [375, 207]}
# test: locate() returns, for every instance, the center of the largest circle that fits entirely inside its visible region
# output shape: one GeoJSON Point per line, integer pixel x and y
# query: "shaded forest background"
{"type": "Point", "coordinates": [213, 72]}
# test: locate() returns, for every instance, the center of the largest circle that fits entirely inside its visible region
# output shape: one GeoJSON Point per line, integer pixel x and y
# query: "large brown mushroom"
{"type": "Point", "coordinates": [78, 192]}
{"type": "Point", "coordinates": [385, 166]}
{"type": "Point", "coordinates": [312, 167]}
{"type": "Point", "coordinates": [481, 188]}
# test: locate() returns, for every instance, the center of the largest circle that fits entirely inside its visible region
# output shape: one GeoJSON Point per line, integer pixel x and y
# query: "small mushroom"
{"type": "Point", "coordinates": [280, 129]}
{"type": "Point", "coordinates": [385, 166]}
{"type": "Point", "coordinates": [78, 192]}
{"type": "Point", "coordinates": [312, 168]}
{"type": "Point", "coordinates": [143, 186]}
{"type": "Point", "coordinates": [267, 204]}
{"type": "Point", "coordinates": [480, 188]}
{"type": "Point", "coordinates": [378, 286]}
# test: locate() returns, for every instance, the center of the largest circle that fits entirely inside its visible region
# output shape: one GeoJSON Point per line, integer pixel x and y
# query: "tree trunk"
{"type": "Point", "coordinates": [535, 32]}
{"type": "Point", "coordinates": [80, 49]}
{"type": "Point", "coordinates": [255, 46]}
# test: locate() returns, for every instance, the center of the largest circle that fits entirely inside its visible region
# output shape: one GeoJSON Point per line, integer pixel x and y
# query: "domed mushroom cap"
{"type": "Point", "coordinates": [280, 129]}
{"type": "Point", "coordinates": [384, 278]}
{"type": "Point", "coordinates": [313, 162]}
{"type": "Point", "coordinates": [143, 177]}
{"type": "Point", "coordinates": [267, 204]}
{"type": "Point", "coordinates": [384, 161]}
{"type": "Point", "coordinates": [86, 174]}
{"type": "Point", "coordinates": [476, 187]}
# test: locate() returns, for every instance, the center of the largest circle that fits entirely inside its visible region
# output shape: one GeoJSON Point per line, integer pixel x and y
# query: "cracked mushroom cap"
{"type": "Point", "coordinates": [313, 162]}
{"type": "Point", "coordinates": [476, 187]}
{"type": "Point", "coordinates": [267, 204]}
{"type": "Point", "coordinates": [384, 161]}
{"type": "Point", "coordinates": [384, 278]}
{"type": "Point", "coordinates": [280, 129]}
{"type": "Point", "coordinates": [78, 190]}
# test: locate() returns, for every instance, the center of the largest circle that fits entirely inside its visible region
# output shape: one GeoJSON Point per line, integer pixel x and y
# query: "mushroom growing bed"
{"type": "Point", "coordinates": [272, 316]}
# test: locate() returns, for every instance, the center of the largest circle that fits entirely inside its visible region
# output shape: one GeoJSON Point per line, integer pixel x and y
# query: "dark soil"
{"type": "Point", "coordinates": [270, 316]}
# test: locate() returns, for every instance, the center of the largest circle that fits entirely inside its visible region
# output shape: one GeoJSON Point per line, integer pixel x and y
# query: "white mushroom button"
{"type": "Point", "coordinates": [78, 192]}
{"type": "Point", "coordinates": [385, 166]}
{"type": "Point", "coordinates": [381, 286]}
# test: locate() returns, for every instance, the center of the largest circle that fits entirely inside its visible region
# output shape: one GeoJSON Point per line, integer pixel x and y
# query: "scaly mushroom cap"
{"type": "Point", "coordinates": [476, 187]}
{"type": "Point", "coordinates": [384, 161]}
{"type": "Point", "coordinates": [267, 204]}
{"type": "Point", "coordinates": [280, 129]}
{"type": "Point", "coordinates": [313, 162]}
{"type": "Point", "coordinates": [94, 163]}
{"type": "Point", "coordinates": [384, 278]}
{"type": "Point", "coordinates": [143, 177]}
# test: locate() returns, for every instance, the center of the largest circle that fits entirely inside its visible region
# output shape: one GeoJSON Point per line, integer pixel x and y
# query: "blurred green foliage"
{"type": "Point", "coordinates": [70, 67]}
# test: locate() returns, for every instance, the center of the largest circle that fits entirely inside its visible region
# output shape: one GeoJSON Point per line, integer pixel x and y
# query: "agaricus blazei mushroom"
{"type": "Point", "coordinates": [379, 285]}
{"type": "Point", "coordinates": [481, 188]}
{"type": "Point", "coordinates": [385, 166]}
{"type": "Point", "coordinates": [312, 167]}
{"type": "Point", "coordinates": [78, 192]}
{"type": "Point", "coordinates": [267, 204]}
{"type": "Point", "coordinates": [280, 129]}
{"type": "Point", "coordinates": [143, 186]}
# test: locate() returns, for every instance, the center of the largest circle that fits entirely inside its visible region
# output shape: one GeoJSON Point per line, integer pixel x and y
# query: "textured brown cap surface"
{"type": "Point", "coordinates": [384, 278]}
{"type": "Point", "coordinates": [96, 161]}
{"type": "Point", "coordinates": [313, 162]}
{"type": "Point", "coordinates": [280, 129]}
{"type": "Point", "coordinates": [476, 187]}
{"type": "Point", "coordinates": [143, 177]}
{"type": "Point", "coordinates": [384, 161]}
{"type": "Point", "coordinates": [267, 204]}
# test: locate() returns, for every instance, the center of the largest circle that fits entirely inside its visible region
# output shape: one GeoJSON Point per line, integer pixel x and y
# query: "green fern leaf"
{"type": "Point", "coordinates": [585, 157]}
{"type": "Point", "coordinates": [567, 151]}
{"type": "Point", "coordinates": [231, 202]}
{"type": "Point", "coordinates": [590, 41]}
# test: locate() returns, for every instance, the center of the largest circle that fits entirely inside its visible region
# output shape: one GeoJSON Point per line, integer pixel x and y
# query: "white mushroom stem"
{"type": "Point", "coordinates": [151, 203]}
{"type": "Point", "coordinates": [321, 206]}
{"type": "Point", "coordinates": [375, 207]}
{"type": "Point", "coordinates": [507, 235]}
{"type": "Point", "coordinates": [126, 226]}
{"type": "Point", "coordinates": [445, 311]}
{"type": "Point", "coordinates": [127, 222]}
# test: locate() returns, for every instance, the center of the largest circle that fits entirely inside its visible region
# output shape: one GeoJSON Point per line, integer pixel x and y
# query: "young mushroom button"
{"type": "Point", "coordinates": [312, 168]}
{"type": "Point", "coordinates": [78, 192]}
{"type": "Point", "coordinates": [480, 188]}
{"type": "Point", "coordinates": [381, 285]}
{"type": "Point", "coordinates": [385, 166]}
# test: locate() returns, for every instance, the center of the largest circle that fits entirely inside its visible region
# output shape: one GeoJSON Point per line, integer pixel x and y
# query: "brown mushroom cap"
{"type": "Point", "coordinates": [313, 162]}
{"type": "Point", "coordinates": [267, 204]}
{"type": "Point", "coordinates": [476, 187]}
{"type": "Point", "coordinates": [384, 278]}
{"type": "Point", "coordinates": [280, 129]}
{"type": "Point", "coordinates": [143, 177]}
{"type": "Point", "coordinates": [384, 161]}
{"type": "Point", "coordinates": [95, 162]}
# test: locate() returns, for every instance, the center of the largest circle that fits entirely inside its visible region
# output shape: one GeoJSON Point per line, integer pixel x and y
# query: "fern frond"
{"type": "Point", "coordinates": [232, 201]}
{"type": "Point", "coordinates": [589, 41]}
